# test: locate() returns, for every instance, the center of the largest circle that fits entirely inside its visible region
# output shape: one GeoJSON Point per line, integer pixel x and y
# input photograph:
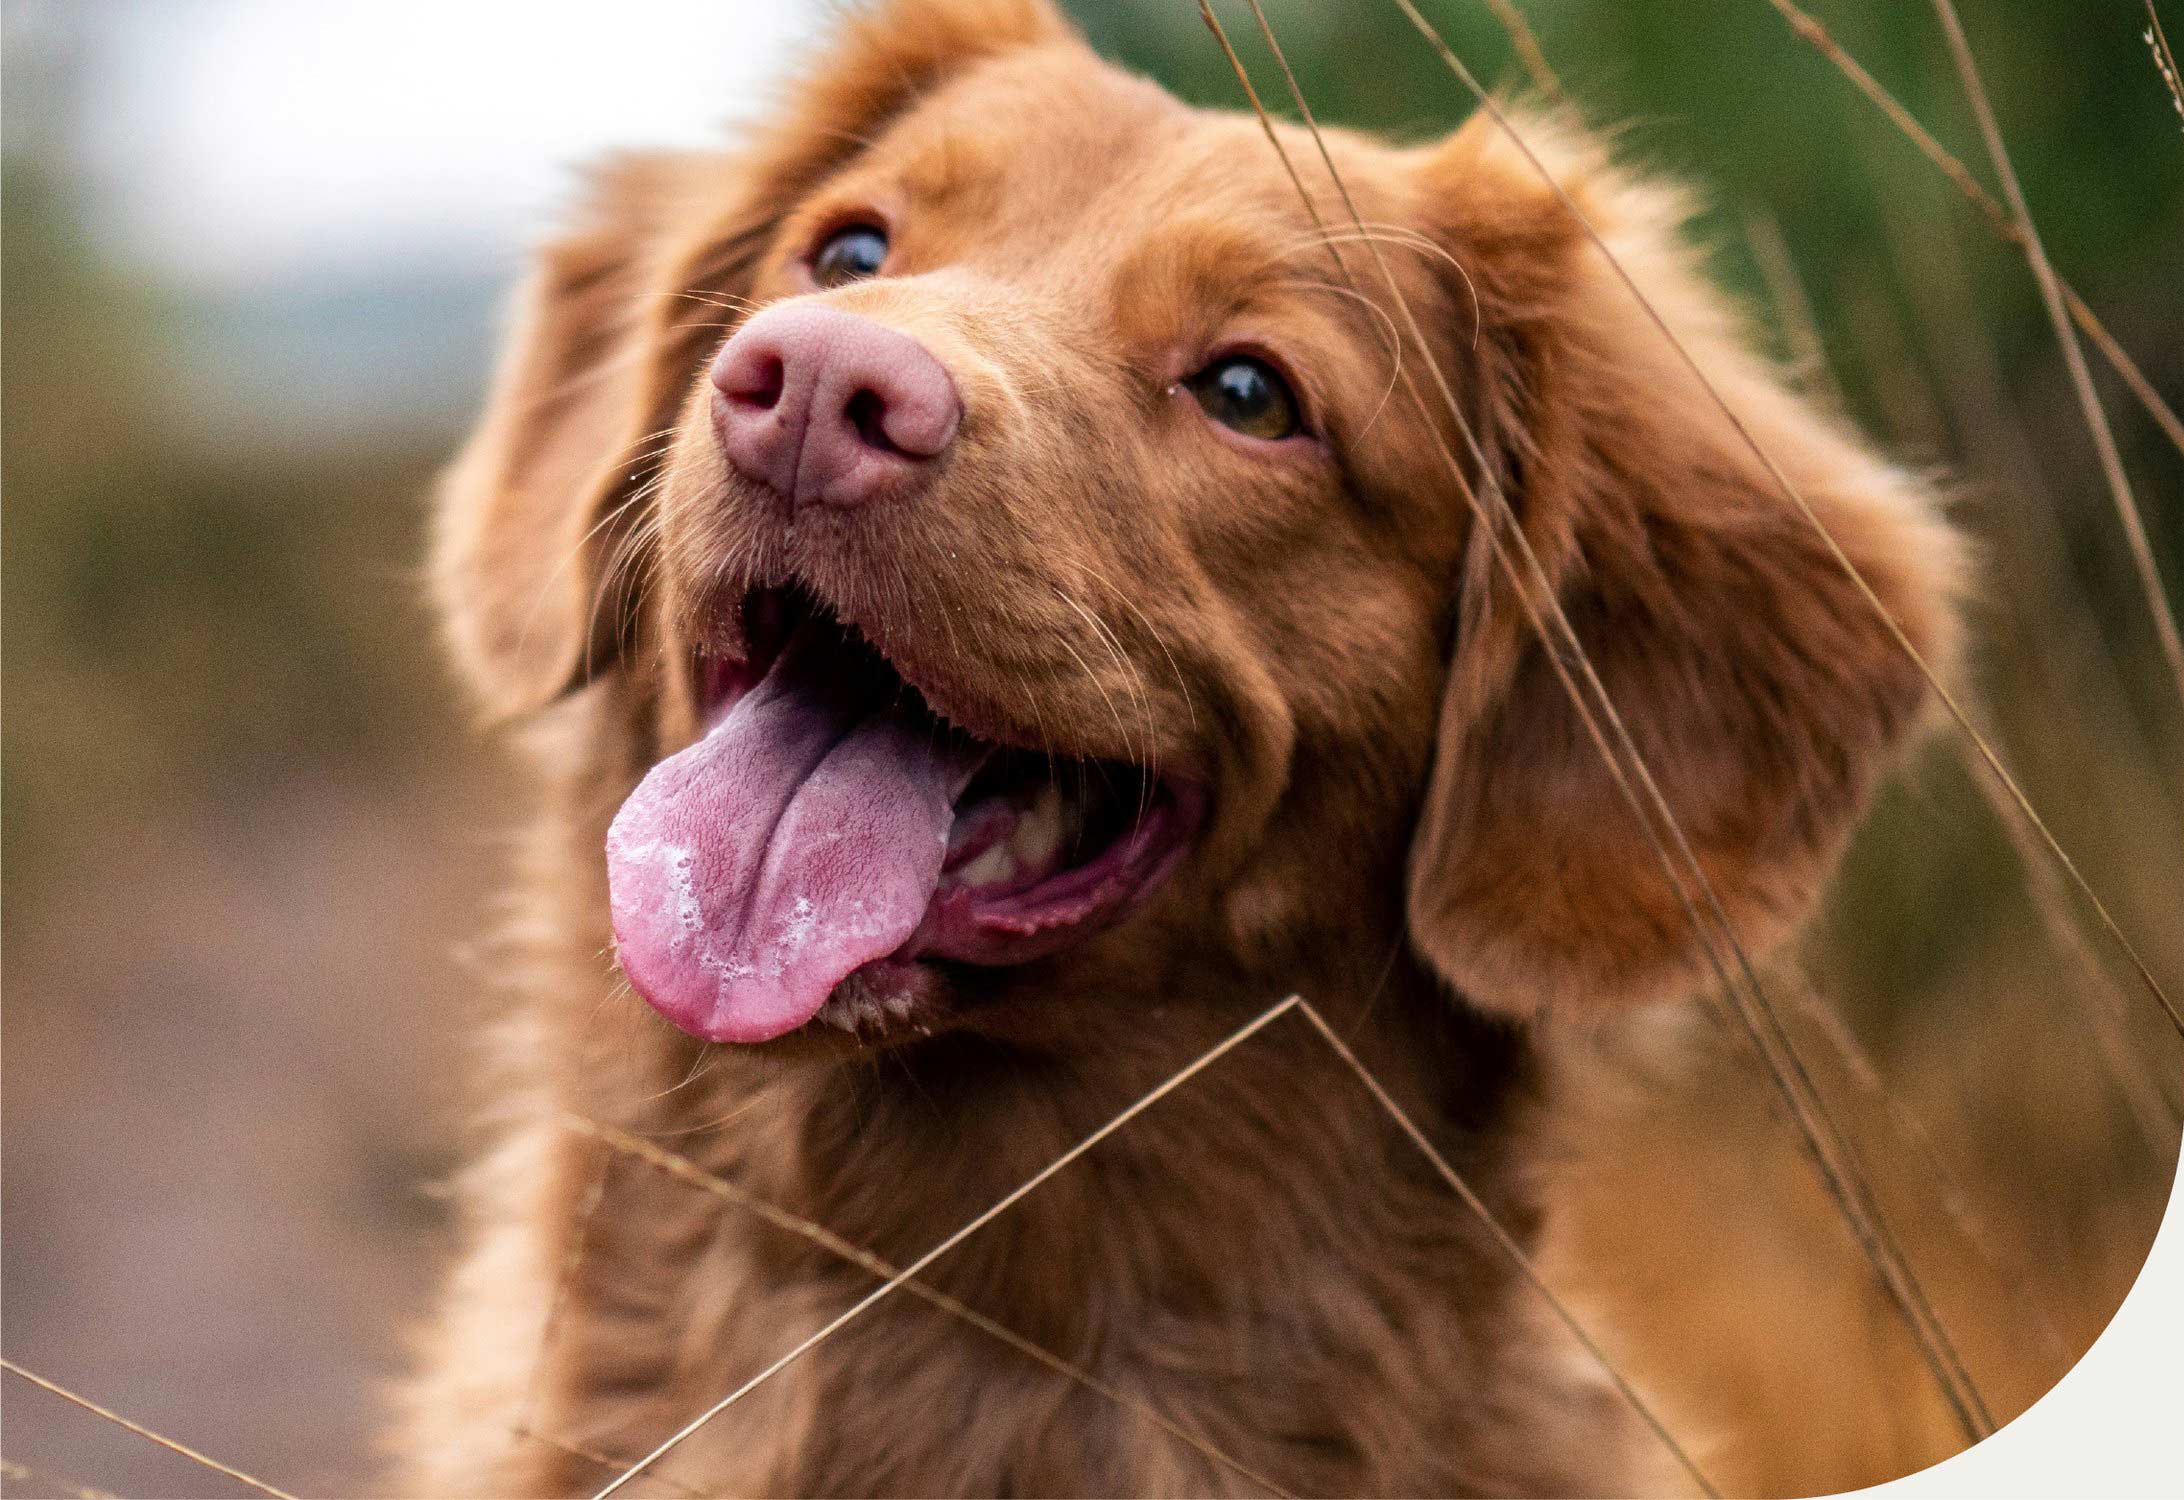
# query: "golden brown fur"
{"type": "Point", "coordinates": [1409, 823]}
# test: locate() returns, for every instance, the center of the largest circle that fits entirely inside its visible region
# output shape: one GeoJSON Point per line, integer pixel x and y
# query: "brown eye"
{"type": "Point", "coordinates": [1249, 396]}
{"type": "Point", "coordinates": [850, 254]}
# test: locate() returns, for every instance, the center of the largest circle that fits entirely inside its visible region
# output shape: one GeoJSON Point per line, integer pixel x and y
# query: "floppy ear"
{"type": "Point", "coordinates": [532, 509]}
{"type": "Point", "coordinates": [538, 515]}
{"type": "Point", "coordinates": [1762, 690]}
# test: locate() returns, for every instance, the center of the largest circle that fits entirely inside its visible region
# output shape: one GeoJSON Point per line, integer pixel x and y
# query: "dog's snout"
{"type": "Point", "coordinates": [827, 408]}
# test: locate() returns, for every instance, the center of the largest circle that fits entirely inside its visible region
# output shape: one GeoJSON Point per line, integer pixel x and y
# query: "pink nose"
{"type": "Point", "coordinates": [827, 408]}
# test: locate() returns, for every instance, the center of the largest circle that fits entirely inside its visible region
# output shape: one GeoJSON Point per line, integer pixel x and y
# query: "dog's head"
{"type": "Point", "coordinates": [1017, 520]}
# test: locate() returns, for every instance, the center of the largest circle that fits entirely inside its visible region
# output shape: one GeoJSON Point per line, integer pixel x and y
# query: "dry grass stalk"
{"type": "Point", "coordinates": [1009, 1200]}
{"type": "Point", "coordinates": [1997, 217]}
{"type": "Point", "coordinates": [1959, 1387]}
{"type": "Point", "coordinates": [1973, 733]}
{"type": "Point", "coordinates": [2050, 900]}
{"type": "Point", "coordinates": [1526, 43]}
{"type": "Point", "coordinates": [2081, 379]}
{"type": "Point", "coordinates": [905, 1278]}
{"type": "Point", "coordinates": [1912, 1131]}
{"type": "Point", "coordinates": [1824, 1142]}
{"type": "Point", "coordinates": [1825, 1145]}
{"type": "Point", "coordinates": [168, 1443]}
{"type": "Point", "coordinates": [684, 1170]}
{"type": "Point", "coordinates": [579, 1245]}
{"type": "Point", "coordinates": [2109, 1020]}
{"type": "Point", "coordinates": [1793, 308]}
{"type": "Point", "coordinates": [2164, 59]}
{"type": "Point", "coordinates": [1493, 526]}
{"type": "Point", "coordinates": [1507, 1241]}
{"type": "Point", "coordinates": [607, 1461]}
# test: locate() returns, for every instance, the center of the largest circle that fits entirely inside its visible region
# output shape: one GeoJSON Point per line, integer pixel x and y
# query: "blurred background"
{"type": "Point", "coordinates": [253, 254]}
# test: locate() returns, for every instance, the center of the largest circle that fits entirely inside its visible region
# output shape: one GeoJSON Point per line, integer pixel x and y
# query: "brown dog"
{"type": "Point", "coordinates": [974, 565]}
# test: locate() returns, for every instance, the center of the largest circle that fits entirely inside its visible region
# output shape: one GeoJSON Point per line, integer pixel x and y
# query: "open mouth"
{"type": "Point", "coordinates": [829, 831]}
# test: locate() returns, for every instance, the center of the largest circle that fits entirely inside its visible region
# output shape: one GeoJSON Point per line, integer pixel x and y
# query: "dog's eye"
{"type": "Point", "coordinates": [1248, 395]}
{"type": "Point", "coordinates": [850, 255]}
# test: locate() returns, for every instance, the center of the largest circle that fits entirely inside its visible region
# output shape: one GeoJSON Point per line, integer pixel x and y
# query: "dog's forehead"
{"type": "Point", "coordinates": [1052, 163]}
{"type": "Point", "coordinates": [1054, 139]}
{"type": "Point", "coordinates": [1048, 99]}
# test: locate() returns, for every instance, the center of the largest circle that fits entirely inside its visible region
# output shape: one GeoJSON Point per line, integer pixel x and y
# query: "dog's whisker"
{"type": "Point", "coordinates": [635, 552]}
{"type": "Point", "coordinates": [578, 381]}
{"type": "Point", "coordinates": [616, 995]}
{"type": "Point", "coordinates": [1403, 238]}
{"type": "Point", "coordinates": [856, 138]}
{"type": "Point", "coordinates": [1389, 333]}
{"type": "Point", "coordinates": [1122, 730]}
{"type": "Point", "coordinates": [534, 617]}
{"type": "Point", "coordinates": [726, 301]}
{"type": "Point", "coordinates": [1130, 680]}
{"type": "Point", "coordinates": [1190, 708]}
{"type": "Point", "coordinates": [647, 575]}
{"type": "Point", "coordinates": [1128, 672]}
{"type": "Point", "coordinates": [717, 1122]}
{"type": "Point", "coordinates": [702, 1061]}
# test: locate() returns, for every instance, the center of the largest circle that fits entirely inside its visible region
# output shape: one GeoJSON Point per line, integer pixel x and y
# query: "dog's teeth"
{"type": "Point", "coordinates": [1038, 833]}
{"type": "Point", "coordinates": [991, 868]}
{"type": "Point", "coordinates": [898, 1006]}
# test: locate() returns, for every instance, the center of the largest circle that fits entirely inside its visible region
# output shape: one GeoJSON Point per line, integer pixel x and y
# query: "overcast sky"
{"type": "Point", "coordinates": [229, 142]}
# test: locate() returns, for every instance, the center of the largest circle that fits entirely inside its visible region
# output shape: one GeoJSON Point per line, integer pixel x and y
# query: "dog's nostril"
{"type": "Point", "coordinates": [867, 412]}
{"type": "Point", "coordinates": [762, 385]}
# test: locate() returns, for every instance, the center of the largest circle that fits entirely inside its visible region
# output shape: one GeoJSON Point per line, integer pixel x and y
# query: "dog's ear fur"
{"type": "Point", "coordinates": [1762, 690]}
{"type": "Point", "coordinates": [540, 517]}
{"type": "Point", "coordinates": [527, 514]}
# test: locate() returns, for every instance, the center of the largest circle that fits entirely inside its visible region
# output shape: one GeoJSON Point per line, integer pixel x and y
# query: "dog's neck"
{"type": "Point", "coordinates": [1205, 1185]}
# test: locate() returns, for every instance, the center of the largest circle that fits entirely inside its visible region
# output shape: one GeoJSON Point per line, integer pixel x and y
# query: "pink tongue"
{"type": "Point", "coordinates": [798, 840]}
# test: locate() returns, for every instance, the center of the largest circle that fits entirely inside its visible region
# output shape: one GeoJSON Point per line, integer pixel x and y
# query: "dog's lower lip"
{"type": "Point", "coordinates": [1018, 923]}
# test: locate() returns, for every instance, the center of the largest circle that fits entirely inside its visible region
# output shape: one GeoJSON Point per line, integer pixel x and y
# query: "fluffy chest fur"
{"type": "Point", "coordinates": [1260, 1259]}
